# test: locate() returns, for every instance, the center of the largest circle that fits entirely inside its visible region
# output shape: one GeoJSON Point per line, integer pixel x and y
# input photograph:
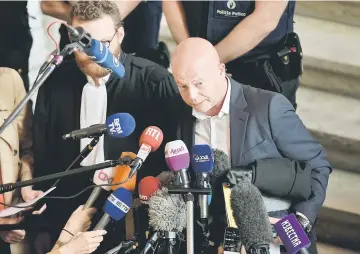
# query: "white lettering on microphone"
{"type": "Point", "coordinates": [176, 150]}
{"type": "Point", "coordinates": [291, 234]}
{"type": "Point", "coordinates": [144, 151]}
{"type": "Point", "coordinates": [143, 197]}
{"type": "Point", "coordinates": [115, 126]}
{"type": "Point", "coordinates": [152, 132]}
{"type": "Point", "coordinates": [201, 158]}
{"type": "Point", "coordinates": [118, 203]}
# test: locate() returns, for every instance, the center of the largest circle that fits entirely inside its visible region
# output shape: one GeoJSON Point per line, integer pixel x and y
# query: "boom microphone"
{"type": "Point", "coordinates": [147, 187]}
{"type": "Point", "coordinates": [116, 207]}
{"type": "Point", "coordinates": [166, 178]}
{"type": "Point", "coordinates": [150, 140]}
{"type": "Point", "coordinates": [178, 160]}
{"type": "Point", "coordinates": [167, 212]}
{"type": "Point", "coordinates": [119, 125]}
{"type": "Point", "coordinates": [221, 165]}
{"type": "Point", "coordinates": [251, 218]}
{"type": "Point", "coordinates": [292, 235]}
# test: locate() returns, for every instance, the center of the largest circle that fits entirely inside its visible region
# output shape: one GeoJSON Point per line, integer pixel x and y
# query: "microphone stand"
{"type": "Point", "coordinates": [11, 186]}
{"type": "Point", "coordinates": [170, 241]}
{"type": "Point", "coordinates": [48, 69]}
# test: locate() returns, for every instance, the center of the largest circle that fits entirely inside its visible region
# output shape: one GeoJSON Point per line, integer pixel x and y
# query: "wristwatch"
{"type": "Point", "coordinates": [304, 222]}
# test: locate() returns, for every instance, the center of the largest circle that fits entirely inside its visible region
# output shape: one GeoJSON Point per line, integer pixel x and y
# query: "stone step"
{"type": "Point", "coordinates": [331, 55]}
{"type": "Point", "coordinates": [339, 219]}
{"type": "Point", "coordinates": [334, 121]}
{"type": "Point", "coordinates": [346, 12]}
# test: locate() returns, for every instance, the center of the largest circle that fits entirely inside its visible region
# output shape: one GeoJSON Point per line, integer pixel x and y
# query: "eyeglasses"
{"type": "Point", "coordinates": [107, 43]}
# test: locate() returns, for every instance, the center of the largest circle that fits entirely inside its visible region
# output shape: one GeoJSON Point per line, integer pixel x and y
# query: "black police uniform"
{"type": "Point", "coordinates": [15, 38]}
{"type": "Point", "coordinates": [274, 64]}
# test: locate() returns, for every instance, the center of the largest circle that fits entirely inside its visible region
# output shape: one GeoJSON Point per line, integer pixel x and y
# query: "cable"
{"type": "Point", "coordinates": [68, 197]}
{"type": "Point", "coordinates": [52, 38]}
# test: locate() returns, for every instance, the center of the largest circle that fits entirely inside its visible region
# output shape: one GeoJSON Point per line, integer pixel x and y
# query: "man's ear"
{"type": "Point", "coordinates": [120, 34]}
{"type": "Point", "coordinates": [222, 69]}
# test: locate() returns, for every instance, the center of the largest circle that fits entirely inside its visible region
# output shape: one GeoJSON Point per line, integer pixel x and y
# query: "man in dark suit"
{"type": "Point", "coordinates": [248, 124]}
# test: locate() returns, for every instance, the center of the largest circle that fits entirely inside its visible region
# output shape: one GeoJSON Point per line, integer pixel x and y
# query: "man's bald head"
{"type": "Point", "coordinates": [199, 74]}
{"type": "Point", "coordinates": [194, 52]}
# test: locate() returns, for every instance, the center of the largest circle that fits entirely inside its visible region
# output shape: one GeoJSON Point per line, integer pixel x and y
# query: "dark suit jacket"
{"type": "Point", "coordinates": [264, 124]}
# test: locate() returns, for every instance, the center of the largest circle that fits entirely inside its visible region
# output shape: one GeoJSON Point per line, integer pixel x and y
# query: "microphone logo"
{"type": "Point", "coordinates": [115, 127]}
{"type": "Point", "coordinates": [201, 158]}
{"type": "Point", "coordinates": [152, 132]}
{"type": "Point", "coordinates": [118, 203]}
{"type": "Point", "coordinates": [176, 150]}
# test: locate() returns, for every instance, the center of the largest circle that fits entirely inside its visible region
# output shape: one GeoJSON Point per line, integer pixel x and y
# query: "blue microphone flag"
{"type": "Point", "coordinates": [118, 203]}
{"type": "Point", "coordinates": [202, 159]}
{"type": "Point", "coordinates": [120, 125]}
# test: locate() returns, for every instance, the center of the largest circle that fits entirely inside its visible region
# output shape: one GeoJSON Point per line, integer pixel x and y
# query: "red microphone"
{"type": "Point", "coordinates": [150, 140]}
{"type": "Point", "coordinates": [147, 187]}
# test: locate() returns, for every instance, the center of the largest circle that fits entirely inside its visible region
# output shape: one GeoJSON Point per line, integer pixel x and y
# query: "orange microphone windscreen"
{"type": "Point", "coordinates": [147, 187]}
{"type": "Point", "coordinates": [152, 136]}
{"type": "Point", "coordinates": [122, 172]}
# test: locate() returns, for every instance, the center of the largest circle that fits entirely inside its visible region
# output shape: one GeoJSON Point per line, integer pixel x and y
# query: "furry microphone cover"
{"type": "Point", "coordinates": [250, 215]}
{"type": "Point", "coordinates": [167, 212]}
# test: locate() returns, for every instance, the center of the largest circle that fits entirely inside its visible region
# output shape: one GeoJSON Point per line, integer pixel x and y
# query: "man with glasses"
{"type": "Point", "coordinates": [80, 93]}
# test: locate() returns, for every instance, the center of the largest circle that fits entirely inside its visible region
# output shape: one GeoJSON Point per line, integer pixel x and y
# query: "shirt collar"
{"type": "Point", "coordinates": [225, 109]}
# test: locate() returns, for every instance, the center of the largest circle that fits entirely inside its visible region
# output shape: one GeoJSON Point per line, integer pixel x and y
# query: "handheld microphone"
{"type": "Point", "coordinates": [251, 218]}
{"type": "Point", "coordinates": [119, 125]}
{"type": "Point", "coordinates": [116, 207]}
{"type": "Point", "coordinates": [292, 235]}
{"type": "Point", "coordinates": [167, 212]}
{"type": "Point", "coordinates": [122, 172]}
{"type": "Point", "coordinates": [151, 243]}
{"type": "Point", "coordinates": [150, 140]}
{"type": "Point", "coordinates": [202, 162]}
{"type": "Point", "coordinates": [107, 176]}
{"type": "Point", "coordinates": [97, 51]}
{"type": "Point", "coordinates": [147, 187]}
{"type": "Point", "coordinates": [178, 160]}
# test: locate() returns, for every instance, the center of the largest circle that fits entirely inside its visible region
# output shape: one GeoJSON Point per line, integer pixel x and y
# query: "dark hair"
{"type": "Point", "coordinates": [93, 10]}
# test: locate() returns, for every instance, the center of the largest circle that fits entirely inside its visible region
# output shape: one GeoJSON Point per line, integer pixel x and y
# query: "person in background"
{"type": "Point", "coordinates": [16, 155]}
{"type": "Point", "coordinates": [141, 24]}
{"type": "Point", "coordinates": [15, 38]}
{"type": "Point", "coordinates": [254, 39]}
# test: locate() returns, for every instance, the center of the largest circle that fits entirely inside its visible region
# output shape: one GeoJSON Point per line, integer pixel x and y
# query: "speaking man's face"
{"type": "Point", "coordinates": [103, 30]}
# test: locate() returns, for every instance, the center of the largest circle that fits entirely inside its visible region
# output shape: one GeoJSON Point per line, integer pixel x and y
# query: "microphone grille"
{"type": "Point", "coordinates": [221, 163]}
{"type": "Point", "coordinates": [250, 215]}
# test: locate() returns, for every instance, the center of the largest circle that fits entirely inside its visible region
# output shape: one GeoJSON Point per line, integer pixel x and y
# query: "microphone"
{"type": "Point", "coordinates": [150, 140]}
{"type": "Point", "coordinates": [122, 172]}
{"type": "Point", "coordinates": [119, 125]}
{"type": "Point", "coordinates": [166, 178]}
{"type": "Point", "coordinates": [177, 159]}
{"type": "Point", "coordinates": [292, 235]}
{"type": "Point", "coordinates": [221, 166]}
{"type": "Point", "coordinates": [202, 162]}
{"type": "Point", "coordinates": [106, 176]}
{"type": "Point", "coordinates": [251, 218]}
{"type": "Point", "coordinates": [167, 212]}
{"type": "Point", "coordinates": [97, 51]}
{"type": "Point", "coordinates": [147, 187]}
{"type": "Point", "coordinates": [151, 243]}
{"type": "Point", "coordinates": [116, 207]}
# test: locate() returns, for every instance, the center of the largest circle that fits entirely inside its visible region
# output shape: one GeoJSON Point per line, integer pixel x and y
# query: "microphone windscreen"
{"type": "Point", "coordinates": [122, 172]}
{"type": "Point", "coordinates": [147, 187]}
{"type": "Point", "coordinates": [202, 159]}
{"type": "Point", "coordinates": [177, 155]}
{"type": "Point", "coordinates": [152, 136]}
{"type": "Point", "coordinates": [166, 178]}
{"type": "Point", "coordinates": [120, 125]}
{"type": "Point", "coordinates": [292, 234]}
{"type": "Point", "coordinates": [167, 212]}
{"type": "Point", "coordinates": [118, 203]}
{"type": "Point", "coordinates": [250, 215]}
{"type": "Point", "coordinates": [101, 55]}
{"type": "Point", "coordinates": [221, 164]}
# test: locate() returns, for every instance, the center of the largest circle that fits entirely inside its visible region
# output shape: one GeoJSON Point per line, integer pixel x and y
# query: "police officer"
{"type": "Point", "coordinates": [15, 38]}
{"type": "Point", "coordinates": [255, 39]}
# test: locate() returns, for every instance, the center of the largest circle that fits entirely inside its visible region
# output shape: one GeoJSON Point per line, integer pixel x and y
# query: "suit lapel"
{"type": "Point", "coordinates": [238, 122]}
